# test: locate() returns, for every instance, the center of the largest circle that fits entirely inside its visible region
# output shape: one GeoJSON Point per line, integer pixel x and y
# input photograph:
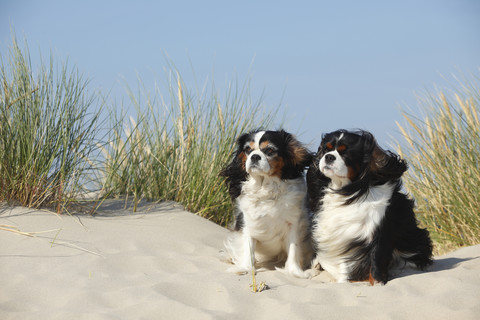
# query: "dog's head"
{"type": "Point", "coordinates": [272, 153]}
{"type": "Point", "coordinates": [351, 161]}
{"type": "Point", "coordinates": [266, 154]}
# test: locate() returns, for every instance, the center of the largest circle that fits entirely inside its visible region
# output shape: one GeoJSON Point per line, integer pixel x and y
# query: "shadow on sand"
{"type": "Point", "coordinates": [439, 265]}
{"type": "Point", "coordinates": [106, 208]}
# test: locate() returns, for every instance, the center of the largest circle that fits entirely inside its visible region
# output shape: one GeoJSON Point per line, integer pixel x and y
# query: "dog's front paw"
{"type": "Point", "coordinates": [240, 270]}
{"type": "Point", "coordinates": [296, 272]}
{"type": "Point", "coordinates": [310, 273]}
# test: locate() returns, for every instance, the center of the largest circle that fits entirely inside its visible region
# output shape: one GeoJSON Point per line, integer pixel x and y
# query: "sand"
{"type": "Point", "coordinates": [166, 263]}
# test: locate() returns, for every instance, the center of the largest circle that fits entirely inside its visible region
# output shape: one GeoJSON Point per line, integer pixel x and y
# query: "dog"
{"type": "Point", "coordinates": [267, 185]}
{"type": "Point", "coordinates": [364, 225]}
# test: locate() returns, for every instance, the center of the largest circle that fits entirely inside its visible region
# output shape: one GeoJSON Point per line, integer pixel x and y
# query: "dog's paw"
{"type": "Point", "coordinates": [310, 273]}
{"type": "Point", "coordinates": [239, 270]}
{"type": "Point", "coordinates": [296, 272]}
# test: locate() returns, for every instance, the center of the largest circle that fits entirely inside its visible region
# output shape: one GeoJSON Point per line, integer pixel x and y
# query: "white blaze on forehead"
{"type": "Point", "coordinates": [341, 136]}
{"type": "Point", "coordinates": [257, 138]}
{"type": "Point", "coordinates": [260, 165]}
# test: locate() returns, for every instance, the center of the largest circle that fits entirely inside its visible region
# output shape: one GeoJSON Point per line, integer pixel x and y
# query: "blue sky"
{"type": "Point", "coordinates": [331, 64]}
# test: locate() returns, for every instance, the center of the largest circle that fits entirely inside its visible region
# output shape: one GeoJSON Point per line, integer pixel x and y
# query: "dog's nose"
{"type": "Point", "coordinates": [329, 158]}
{"type": "Point", "coordinates": [255, 158]}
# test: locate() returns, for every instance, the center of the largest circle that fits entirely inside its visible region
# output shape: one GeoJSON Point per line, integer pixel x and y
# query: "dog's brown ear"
{"type": "Point", "coordinates": [298, 154]}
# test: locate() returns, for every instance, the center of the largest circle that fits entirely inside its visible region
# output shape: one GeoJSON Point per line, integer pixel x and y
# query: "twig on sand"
{"type": "Point", "coordinates": [71, 245]}
{"type": "Point", "coordinates": [53, 242]}
{"type": "Point", "coordinates": [262, 285]}
{"type": "Point", "coordinates": [15, 230]}
{"type": "Point", "coordinates": [23, 233]}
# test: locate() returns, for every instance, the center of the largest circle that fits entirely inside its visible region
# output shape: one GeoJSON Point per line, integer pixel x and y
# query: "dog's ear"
{"type": "Point", "coordinates": [316, 183]}
{"type": "Point", "coordinates": [242, 140]}
{"type": "Point", "coordinates": [383, 165]}
{"type": "Point", "coordinates": [316, 180]}
{"type": "Point", "coordinates": [386, 165]}
{"type": "Point", "coordinates": [298, 155]}
{"type": "Point", "coordinates": [240, 156]}
{"type": "Point", "coordinates": [234, 172]}
{"type": "Point", "coordinates": [320, 152]}
{"type": "Point", "coordinates": [314, 167]}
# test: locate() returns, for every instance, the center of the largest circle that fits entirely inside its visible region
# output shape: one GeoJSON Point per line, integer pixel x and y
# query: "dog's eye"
{"type": "Point", "coordinates": [269, 151]}
{"type": "Point", "coordinates": [329, 146]}
{"type": "Point", "coordinates": [247, 149]}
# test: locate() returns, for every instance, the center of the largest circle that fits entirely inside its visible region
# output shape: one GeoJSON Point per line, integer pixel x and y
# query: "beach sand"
{"type": "Point", "coordinates": [166, 263]}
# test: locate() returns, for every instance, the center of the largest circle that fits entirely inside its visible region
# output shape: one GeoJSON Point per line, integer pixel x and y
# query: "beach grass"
{"type": "Point", "coordinates": [57, 144]}
{"type": "Point", "coordinates": [443, 151]}
{"type": "Point", "coordinates": [46, 131]}
{"type": "Point", "coordinates": [174, 146]}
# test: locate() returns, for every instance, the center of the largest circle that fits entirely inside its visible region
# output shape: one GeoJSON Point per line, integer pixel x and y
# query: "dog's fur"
{"type": "Point", "coordinates": [364, 224]}
{"type": "Point", "coordinates": [266, 183]}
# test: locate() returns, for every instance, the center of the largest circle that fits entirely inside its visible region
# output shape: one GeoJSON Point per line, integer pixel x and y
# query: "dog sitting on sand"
{"type": "Point", "coordinates": [266, 183]}
{"type": "Point", "coordinates": [364, 225]}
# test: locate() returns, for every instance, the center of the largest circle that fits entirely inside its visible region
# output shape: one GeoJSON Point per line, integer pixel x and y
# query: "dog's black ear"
{"type": "Point", "coordinates": [382, 165]}
{"type": "Point", "coordinates": [316, 184]}
{"type": "Point", "coordinates": [386, 165]}
{"type": "Point", "coordinates": [321, 149]}
{"type": "Point", "coordinates": [234, 172]}
{"type": "Point", "coordinates": [316, 181]}
{"type": "Point", "coordinates": [241, 141]}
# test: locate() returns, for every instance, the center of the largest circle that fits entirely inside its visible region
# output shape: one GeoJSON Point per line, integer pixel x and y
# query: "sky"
{"type": "Point", "coordinates": [329, 64]}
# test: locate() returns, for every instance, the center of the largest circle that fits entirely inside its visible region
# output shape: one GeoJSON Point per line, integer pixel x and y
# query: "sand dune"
{"type": "Point", "coordinates": [167, 264]}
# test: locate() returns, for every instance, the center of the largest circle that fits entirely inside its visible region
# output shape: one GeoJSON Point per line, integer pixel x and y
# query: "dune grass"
{"type": "Point", "coordinates": [46, 131]}
{"type": "Point", "coordinates": [175, 150]}
{"type": "Point", "coordinates": [443, 150]}
{"type": "Point", "coordinates": [53, 142]}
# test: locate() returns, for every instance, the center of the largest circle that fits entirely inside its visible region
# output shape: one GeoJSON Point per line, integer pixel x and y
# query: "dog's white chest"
{"type": "Point", "coordinates": [338, 225]}
{"type": "Point", "coordinates": [354, 221]}
{"type": "Point", "coordinates": [270, 207]}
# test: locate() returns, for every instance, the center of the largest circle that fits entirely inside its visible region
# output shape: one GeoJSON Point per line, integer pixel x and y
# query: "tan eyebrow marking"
{"type": "Point", "coordinates": [341, 148]}
{"type": "Point", "coordinates": [264, 144]}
